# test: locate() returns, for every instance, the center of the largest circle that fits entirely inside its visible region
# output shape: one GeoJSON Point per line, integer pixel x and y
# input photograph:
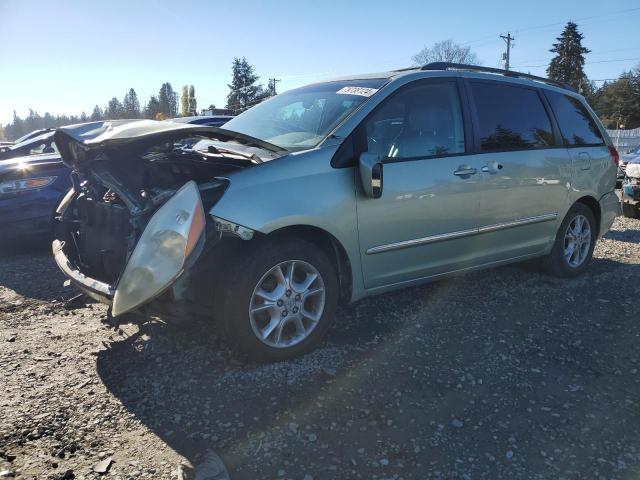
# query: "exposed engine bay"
{"type": "Point", "coordinates": [118, 190]}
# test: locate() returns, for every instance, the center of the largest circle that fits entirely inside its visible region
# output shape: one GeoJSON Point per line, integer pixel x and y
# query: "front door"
{"type": "Point", "coordinates": [425, 222]}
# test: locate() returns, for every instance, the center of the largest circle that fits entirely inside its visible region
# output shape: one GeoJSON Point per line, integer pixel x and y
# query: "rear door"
{"type": "Point", "coordinates": [526, 171]}
{"type": "Point", "coordinates": [425, 222]}
{"type": "Point", "coordinates": [592, 169]}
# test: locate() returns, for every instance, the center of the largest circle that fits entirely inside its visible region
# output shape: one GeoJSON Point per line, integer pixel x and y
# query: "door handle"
{"type": "Point", "coordinates": [492, 167]}
{"type": "Point", "coordinates": [464, 170]}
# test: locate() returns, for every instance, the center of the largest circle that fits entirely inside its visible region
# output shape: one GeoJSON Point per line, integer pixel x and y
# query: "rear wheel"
{"type": "Point", "coordinates": [280, 300]}
{"type": "Point", "coordinates": [574, 243]}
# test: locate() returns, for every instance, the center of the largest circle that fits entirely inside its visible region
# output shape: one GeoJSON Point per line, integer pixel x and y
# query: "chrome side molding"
{"type": "Point", "coordinates": [461, 233]}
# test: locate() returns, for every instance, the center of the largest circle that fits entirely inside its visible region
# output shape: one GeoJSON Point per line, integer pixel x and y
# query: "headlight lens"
{"type": "Point", "coordinates": [158, 258]}
{"type": "Point", "coordinates": [25, 184]}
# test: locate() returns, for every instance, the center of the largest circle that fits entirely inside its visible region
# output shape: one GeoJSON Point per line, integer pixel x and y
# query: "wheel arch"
{"type": "Point", "coordinates": [330, 245]}
{"type": "Point", "coordinates": [595, 208]}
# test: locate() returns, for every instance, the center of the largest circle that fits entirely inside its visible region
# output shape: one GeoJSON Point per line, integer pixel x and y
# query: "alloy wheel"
{"type": "Point", "coordinates": [287, 304]}
{"type": "Point", "coordinates": [577, 241]}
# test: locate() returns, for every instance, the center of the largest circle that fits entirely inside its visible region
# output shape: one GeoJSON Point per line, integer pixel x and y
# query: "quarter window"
{"type": "Point", "coordinates": [419, 121]}
{"type": "Point", "coordinates": [510, 118]}
{"type": "Point", "coordinates": [576, 124]}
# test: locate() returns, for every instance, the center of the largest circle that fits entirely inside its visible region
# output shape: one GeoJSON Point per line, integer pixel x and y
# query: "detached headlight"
{"type": "Point", "coordinates": [158, 258]}
{"type": "Point", "coordinates": [25, 184]}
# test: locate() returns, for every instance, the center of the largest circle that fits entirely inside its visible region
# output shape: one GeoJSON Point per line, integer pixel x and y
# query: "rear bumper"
{"type": "Point", "coordinates": [610, 209]}
{"type": "Point", "coordinates": [96, 289]}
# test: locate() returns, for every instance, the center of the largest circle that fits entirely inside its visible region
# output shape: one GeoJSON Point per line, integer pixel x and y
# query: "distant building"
{"type": "Point", "coordinates": [216, 111]}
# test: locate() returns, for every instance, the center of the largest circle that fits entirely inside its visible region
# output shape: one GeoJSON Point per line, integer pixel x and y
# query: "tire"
{"type": "Point", "coordinates": [258, 268]}
{"type": "Point", "coordinates": [557, 263]}
{"type": "Point", "coordinates": [630, 211]}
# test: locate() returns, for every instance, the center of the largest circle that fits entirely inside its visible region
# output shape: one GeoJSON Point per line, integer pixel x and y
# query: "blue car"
{"type": "Point", "coordinates": [31, 187]}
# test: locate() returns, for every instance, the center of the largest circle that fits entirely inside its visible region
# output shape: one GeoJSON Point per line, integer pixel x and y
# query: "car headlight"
{"type": "Point", "coordinates": [159, 257]}
{"type": "Point", "coordinates": [25, 184]}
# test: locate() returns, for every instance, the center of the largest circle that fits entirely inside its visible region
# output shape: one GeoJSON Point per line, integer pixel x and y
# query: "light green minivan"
{"type": "Point", "coordinates": [333, 192]}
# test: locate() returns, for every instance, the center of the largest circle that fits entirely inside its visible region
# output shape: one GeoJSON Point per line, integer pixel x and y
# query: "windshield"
{"type": "Point", "coordinates": [300, 119]}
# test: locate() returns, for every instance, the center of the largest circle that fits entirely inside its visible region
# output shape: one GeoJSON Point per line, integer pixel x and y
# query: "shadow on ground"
{"type": "Point", "coordinates": [504, 373]}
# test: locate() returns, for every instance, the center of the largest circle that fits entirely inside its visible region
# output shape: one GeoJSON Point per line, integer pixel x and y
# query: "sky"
{"type": "Point", "coordinates": [66, 56]}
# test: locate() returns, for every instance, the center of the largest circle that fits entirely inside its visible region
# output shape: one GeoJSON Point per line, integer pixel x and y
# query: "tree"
{"type": "Point", "coordinates": [446, 51]}
{"type": "Point", "coordinates": [152, 108]}
{"type": "Point", "coordinates": [131, 105]}
{"type": "Point", "coordinates": [619, 101]}
{"type": "Point", "coordinates": [568, 64]}
{"type": "Point", "coordinates": [184, 101]}
{"type": "Point", "coordinates": [97, 114]}
{"type": "Point", "coordinates": [244, 91]}
{"type": "Point", "coordinates": [1, 132]}
{"type": "Point", "coordinates": [168, 100]}
{"type": "Point", "coordinates": [114, 110]}
{"type": "Point", "coordinates": [193, 104]}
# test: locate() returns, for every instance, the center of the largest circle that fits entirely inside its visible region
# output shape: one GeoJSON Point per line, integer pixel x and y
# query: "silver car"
{"type": "Point", "coordinates": [330, 193]}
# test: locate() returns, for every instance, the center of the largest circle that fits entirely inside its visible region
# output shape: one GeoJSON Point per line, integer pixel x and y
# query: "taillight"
{"type": "Point", "coordinates": [615, 157]}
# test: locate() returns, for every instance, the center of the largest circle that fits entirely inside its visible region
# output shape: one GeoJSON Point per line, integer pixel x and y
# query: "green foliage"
{"type": "Point", "coordinates": [115, 110]}
{"type": "Point", "coordinates": [97, 114]}
{"type": "Point", "coordinates": [244, 90]}
{"type": "Point", "coordinates": [168, 100]}
{"type": "Point", "coordinates": [193, 103]}
{"type": "Point", "coordinates": [568, 64]}
{"type": "Point", "coordinates": [131, 105]}
{"type": "Point", "coordinates": [152, 108]}
{"type": "Point", "coordinates": [618, 102]}
{"type": "Point", "coordinates": [184, 101]}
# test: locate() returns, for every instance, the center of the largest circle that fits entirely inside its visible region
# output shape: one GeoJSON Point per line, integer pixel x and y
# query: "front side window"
{"type": "Point", "coordinates": [576, 124]}
{"type": "Point", "coordinates": [510, 118]}
{"type": "Point", "coordinates": [302, 118]}
{"type": "Point", "coordinates": [419, 121]}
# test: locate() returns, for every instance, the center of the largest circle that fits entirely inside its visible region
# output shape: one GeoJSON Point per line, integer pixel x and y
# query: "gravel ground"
{"type": "Point", "coordinates": [506, 373]}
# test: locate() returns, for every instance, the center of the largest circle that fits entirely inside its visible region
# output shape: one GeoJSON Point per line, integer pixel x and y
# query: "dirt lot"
{"type": "Point", "coordinates": [501, 374]}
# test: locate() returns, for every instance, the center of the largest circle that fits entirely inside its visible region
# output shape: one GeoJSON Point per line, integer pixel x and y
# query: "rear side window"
{"type": "Point", "coordinates": [510, 118]}
{"type": "Point", "coordinates": [576, 124]}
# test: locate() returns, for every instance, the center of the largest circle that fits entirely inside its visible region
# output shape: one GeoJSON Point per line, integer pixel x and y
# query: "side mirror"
{"type": "Point", "coordinates": [371, 174]}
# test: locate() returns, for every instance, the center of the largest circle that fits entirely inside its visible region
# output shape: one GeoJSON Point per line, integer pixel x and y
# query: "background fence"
{"type": "Point", "coordinates": [625, 140]}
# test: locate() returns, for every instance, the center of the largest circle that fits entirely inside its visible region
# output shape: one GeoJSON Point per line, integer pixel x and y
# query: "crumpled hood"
{"type": "Point", "coordinates": [77, 142]}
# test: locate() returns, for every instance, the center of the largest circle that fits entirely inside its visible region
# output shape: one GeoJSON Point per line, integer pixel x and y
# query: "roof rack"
{"type": "Point", "coordinates": [499, 71]}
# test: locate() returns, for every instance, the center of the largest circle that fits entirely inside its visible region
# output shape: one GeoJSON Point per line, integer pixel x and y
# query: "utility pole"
{"type": "Point", "coordinates": [507, 56]}
{"type": "Point", "coordinates": [272, 84]}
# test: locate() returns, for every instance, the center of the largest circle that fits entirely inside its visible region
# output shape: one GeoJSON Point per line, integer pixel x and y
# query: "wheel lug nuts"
{"type": "Point", "coordinates": [298, 297]}
{"type": "Point", "coordinates": [295, 309]}
{"type": "Point", "coordinates": [285, 313]}
{"type": "Point", "coordinates": [288, 293]}
{"type": "Point", "coordinates": [280, 303]}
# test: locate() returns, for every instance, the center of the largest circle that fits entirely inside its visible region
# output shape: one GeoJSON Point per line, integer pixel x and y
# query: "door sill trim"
{"type": "Point", "coordinates": [461, 233]}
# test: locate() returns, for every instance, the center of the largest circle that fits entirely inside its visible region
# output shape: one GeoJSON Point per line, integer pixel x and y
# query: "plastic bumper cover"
{"type": "Point", "coordinates": [96, 289]}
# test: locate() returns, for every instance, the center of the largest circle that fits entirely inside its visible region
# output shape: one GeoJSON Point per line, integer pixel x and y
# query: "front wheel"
{"type": "Point", "coordinates": [280, 299]}
{"type": "Point", "coordinates": [574, 243]}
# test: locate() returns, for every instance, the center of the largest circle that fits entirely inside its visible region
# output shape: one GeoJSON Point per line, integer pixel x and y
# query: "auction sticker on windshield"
{"type": "Point", "coordinates": [362, 91]}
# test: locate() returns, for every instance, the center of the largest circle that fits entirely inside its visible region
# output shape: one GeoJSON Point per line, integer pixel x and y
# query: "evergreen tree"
{"type": "Point", "coordinates": [193, 104]}
{"type": "Point", "coordinates": [168, 100]}
{"type": "Point", "coordinates": [568, 64]}
{"type": "Point", "coordinates": [96, 115]}
{"type": "Point", "coordinates": [114, 110]}
{"type": "Point", "coordinates": [131, 105]}
{"type": "Point", "coordinates": [244, 91]}
{"type": "Point", "coordinates": [184, 101]}
{"type": "Point", "coordinates": [1, 132]}
{"type": "Point", "coordinates": [152, 108]}
{"type": "Point", "coordinates": [619, 101]}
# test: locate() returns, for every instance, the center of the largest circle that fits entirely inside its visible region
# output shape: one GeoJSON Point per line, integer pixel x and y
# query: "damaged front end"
{"type": "Point", "coordinates": [134, 222]}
